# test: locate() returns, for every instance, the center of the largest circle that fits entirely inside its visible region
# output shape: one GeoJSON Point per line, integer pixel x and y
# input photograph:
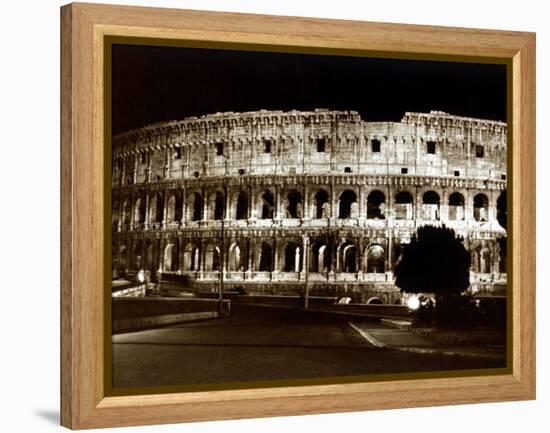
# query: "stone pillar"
{"type": "Point", "coordinates": [417, 207]}
{"type": "Point", "coordinates": [305, 254]}
{"type": "Point", "coordinates": [389, 203]}
{"type": "Point", "coordinates": [135, 172]}
{"type": "Point", "coordinates": [165, 209]}
{"type": "Point", "coordinates": [468, 206]}
{"type": "Point", "coordinates": [275, 262]}
{"type": "Point", "coordinates": [204, 193]}
{"type": "Point", "coordinates": [132, 211]}
{"type": "Point", "coordinates": [227, 205]}
{"type": "Point", "coordinates": [120, 211]}
{"type": "Point", "coordinates": [146, 222]}
{"type": "Point", "coordinates": [148, 170]}
{"type": "Point", "coordinates": [167, 154]}
{"type": "Point", "coordinates": [359, 260]}
{"type": "Point", "coordinates": [183, 206]}
{"type": "Point", "coordinates": [251, 211]}
{"type": "Point", "coordinates": [277, 214]}
{"type": "Point", "coordinates": [250, 251]}
{"type": "Point", "coordinates": [333, 203]}
{"type": "Point", "coordinates": [123, 171]}
{"type": "Point", "coordinates": [362, 203]}
{"type": "Point", "coordinates": [202, 257]}
{"type": "Point", "coordinates": [492, 211]}
{"type": "Point", "coordinates": [444, 205]}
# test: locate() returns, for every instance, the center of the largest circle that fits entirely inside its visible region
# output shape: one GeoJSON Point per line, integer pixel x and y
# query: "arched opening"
{"type": "Point", "coordinates": [348, 258]}
{"type": "Point", "coordinates": [151, 257]}
{"type": "Point", "coordinates": [403, 205]}
{"type": "Point", "coordinates": [266, 258]}
{"type": "Point", "coordinates": [115, 215]}
{"type": "Point", "coordinates": [156, 208]}
{"type": "Point", "coordinates": [191, 258]}
{"type": "Point", "coordinates": [294, 205]}
{"type": "Point", "coordinates": [320, 259]}
{"type": "Point", "coordinates": [376, 205]}
{"type": "Point", "coordinates": [171, 257]}
{"type": "Point", "coordinates": [219, 206]}
{"type": "Point", "coordinates": [126, 212]}
{"type": "Point", "coordinates": [374, 301]}
{"type": "Point", "coordinates": [375, 259]}
{"type": "Point", "coordinates": [268, 205]}
{"type": "Point", "coordinates": [456, 207]}
{"type": "Point", "coordinates": [481, 207]}
{"type": "Point", "coordinates": [347, 207]}
{"type": "Point", "coordinates": [502, 209]}
{"type": "Point", "coordinates": [485, 261]}
{"type": "Point", "coordinates": [196, 207]}
{"type": "Point", "coordinates": [235, 258]}
{"type": "Point", "coordinates": [123, 259]}
{"type": "Point", "coordinates": [321, 206]}
{"type": "Point", "coordinates": [430, 206]}
{"type": "Point", "coordinates": [292, 258]}
{"type": "Point", "coordinates": [212, 260]}
{"type": "Point", "coordinates": [139, 212]}
{"type": "Point", "coordinates": [137, 254]}
{"type": "Point", "coordinates": [171, 209]}
{"type": "Point", "coordinates": [242, 206]}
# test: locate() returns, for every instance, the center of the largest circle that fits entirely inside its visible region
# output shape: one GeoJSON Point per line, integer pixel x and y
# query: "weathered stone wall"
{"type": "Point", "coordinates": [321, 191]}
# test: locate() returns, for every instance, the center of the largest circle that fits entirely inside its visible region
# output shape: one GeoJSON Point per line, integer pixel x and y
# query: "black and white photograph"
{"type": "Point", "coordinates": [285, 218]}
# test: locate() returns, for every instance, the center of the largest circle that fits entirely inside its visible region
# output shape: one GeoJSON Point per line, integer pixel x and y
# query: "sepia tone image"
{"type": "Point", "coordinates": [281, 216]}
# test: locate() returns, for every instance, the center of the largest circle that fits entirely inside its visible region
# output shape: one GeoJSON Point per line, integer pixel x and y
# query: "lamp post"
{"type": "Point", "coordinates": [306, 264]}
{"type": "Point", "coordinates": [222, 251]}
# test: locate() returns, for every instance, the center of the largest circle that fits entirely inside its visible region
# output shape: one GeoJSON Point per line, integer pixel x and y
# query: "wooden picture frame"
{"type": "Point", "coordinates": [83, 223]}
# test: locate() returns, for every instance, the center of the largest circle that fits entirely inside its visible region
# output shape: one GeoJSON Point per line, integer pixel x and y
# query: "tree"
{"type": "Point", "coordinates": [436, 262]}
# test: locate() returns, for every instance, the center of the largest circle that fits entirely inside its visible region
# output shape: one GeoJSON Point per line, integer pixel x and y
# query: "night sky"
{"type": "Point", "coordinates": [152, 84]}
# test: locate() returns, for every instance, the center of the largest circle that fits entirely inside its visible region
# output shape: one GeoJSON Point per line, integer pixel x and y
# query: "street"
{"type": "Point", "coordinates": [264, 344]}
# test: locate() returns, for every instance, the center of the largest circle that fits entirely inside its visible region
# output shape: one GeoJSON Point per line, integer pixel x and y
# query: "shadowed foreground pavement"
{"type": "Point", "coordinates": [265, 344]}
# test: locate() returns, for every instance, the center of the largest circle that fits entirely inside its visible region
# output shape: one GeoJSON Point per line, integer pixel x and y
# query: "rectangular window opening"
{"type": "Point", "coordinates": [241, 171]}
{"type": "Point", "coordinates": [347, 169]}
{"type": "Point", "coordinates": [177, 153]}
{"type": "Point", "coordinates": [404, 170]}
{"type": "Point", "coordinates": [430, 147]}
{"type": "Point", "coordinates": [375, 145]}
{"type": "Point", "coordinates": [321, 144]}
{"type": "Point", "coordinates": [219, 148]}
{"type": "Point", "coordinates": [267, 146]}
{"type": "Point", "coordinates": [457, 173]}
{"type": "Point", "coordinates": [480, 151]}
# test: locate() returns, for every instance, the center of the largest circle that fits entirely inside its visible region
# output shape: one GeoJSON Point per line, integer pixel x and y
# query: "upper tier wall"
{"type": "Point", "coordinates": [320, 141]}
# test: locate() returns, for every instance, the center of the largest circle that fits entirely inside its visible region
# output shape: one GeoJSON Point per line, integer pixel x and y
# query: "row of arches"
{"type": "Point", "coordinates": [262, 257]}
{"type": "Point", "coordinates": [156, 210]}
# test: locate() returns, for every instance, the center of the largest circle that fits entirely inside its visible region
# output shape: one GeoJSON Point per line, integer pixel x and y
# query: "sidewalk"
{"type": "Point", "coordinates": [402, 338]}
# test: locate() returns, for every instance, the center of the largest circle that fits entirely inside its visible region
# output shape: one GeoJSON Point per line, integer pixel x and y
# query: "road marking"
{"type": "Point", "coordinates": [367, 336]}
{"type": "Point", "coordinates": [422, 350]}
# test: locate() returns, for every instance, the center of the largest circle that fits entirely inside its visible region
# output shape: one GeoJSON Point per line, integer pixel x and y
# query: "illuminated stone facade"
{"type": "Point", "coordinates": [284, 200]}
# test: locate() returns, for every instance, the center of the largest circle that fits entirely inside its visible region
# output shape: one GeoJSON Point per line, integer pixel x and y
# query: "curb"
{"type": "Point", "coordinates": [377, 343]}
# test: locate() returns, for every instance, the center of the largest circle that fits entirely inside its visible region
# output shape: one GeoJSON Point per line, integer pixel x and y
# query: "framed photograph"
{"type": "Point", "coordinates": [265, 215]}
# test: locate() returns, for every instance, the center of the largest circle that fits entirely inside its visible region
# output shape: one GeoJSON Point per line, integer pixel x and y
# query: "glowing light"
{"type": "Point", "coordinates": [413, 302]}
{"type": "Point", "coordinates": [141, 276]}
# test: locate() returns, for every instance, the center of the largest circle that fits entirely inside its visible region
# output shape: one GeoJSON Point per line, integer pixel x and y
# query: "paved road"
{"type": "Point", "coordinates": [254, 345]}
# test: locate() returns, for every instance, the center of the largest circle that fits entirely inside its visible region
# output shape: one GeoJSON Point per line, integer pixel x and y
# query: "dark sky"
{"type": "Point", "coordinates": [152, 84]}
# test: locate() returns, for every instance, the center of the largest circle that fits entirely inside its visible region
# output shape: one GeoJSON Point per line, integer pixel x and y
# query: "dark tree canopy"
{"type": "Point", "coordinates": [434, 262]}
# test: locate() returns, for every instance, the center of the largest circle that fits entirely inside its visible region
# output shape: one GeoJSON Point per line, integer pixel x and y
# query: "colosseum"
{"type": "Point", "coordinates": [277, 202]}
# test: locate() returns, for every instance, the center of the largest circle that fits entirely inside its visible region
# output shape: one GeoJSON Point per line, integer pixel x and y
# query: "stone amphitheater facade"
{"type": "Point", "coordinates": [273, 202]}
